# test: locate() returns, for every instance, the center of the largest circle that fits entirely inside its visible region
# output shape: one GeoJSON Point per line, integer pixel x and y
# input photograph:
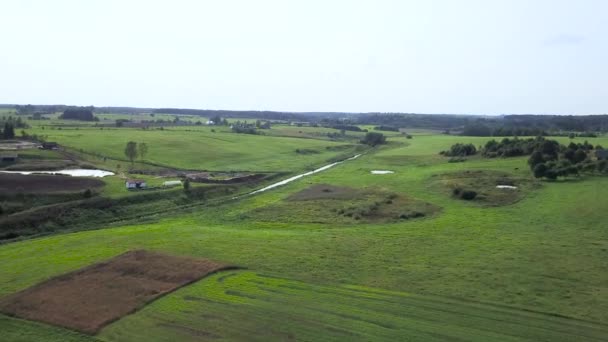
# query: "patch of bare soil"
{"type": "Point", "coordinates": [14, 183]}
{"type": "Point", "coordinates": [88, 299]}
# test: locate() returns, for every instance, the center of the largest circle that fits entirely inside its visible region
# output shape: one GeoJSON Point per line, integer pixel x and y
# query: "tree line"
{"type": "Point", "coordinates": [548, 158]}
{"type": "Point", "coordinates": [8, 126]}
{"type": "Point", "coordinates": [79, 113]}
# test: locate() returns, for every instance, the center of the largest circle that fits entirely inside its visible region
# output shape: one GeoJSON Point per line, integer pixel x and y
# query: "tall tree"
{"type": "Point", "coordinates": [131, 151]}
{"type": "Point", "coordinates": [9, 131]}
{"type": "Point", "coordinates": [143, 150]}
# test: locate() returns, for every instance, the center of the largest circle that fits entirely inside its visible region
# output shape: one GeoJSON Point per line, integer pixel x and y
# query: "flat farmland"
{"type": "Point", "coordinates": [201, 149]}
{"type": "Point", "coordinates": [532, 268]}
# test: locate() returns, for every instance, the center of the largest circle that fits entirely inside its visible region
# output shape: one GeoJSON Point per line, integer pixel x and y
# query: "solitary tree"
{"type": "Point", "coordinates": [9, 131]}
{"type": "Point", "coordinates": [143, 150]}
{"type": "Point", "coordinates": [131, 151]}
{"type": "Point", "coordinates": [374, 139]}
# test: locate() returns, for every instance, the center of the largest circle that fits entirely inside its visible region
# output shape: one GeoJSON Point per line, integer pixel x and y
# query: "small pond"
{"type": "Point", "coordinates": [70, 172]}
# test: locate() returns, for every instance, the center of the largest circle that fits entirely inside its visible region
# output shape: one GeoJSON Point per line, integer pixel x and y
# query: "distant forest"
{"type": "Point", "coordinates": [471, 125]}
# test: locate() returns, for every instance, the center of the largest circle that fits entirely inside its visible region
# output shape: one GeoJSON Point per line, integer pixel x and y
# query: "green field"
{"type": "Point", "coordinates": [534, 269]}
{"type": "Point", "coordinates": [201, 149]}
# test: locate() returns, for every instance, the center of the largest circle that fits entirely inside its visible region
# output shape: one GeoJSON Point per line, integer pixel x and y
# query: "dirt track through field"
{"type": "Point", "coordinates": [88, 299]}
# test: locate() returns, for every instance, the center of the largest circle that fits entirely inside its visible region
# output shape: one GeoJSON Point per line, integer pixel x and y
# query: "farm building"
{"type": "Point", "coordinates": [50, 145]}
{"type": "Point", "coordinates": [9, 157]}
{"type": "Point", "coordinates": [601, 154]}
{"type": "Point", "coordinates": [135, 184]}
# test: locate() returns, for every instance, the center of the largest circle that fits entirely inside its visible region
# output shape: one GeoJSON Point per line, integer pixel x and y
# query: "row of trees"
{"type": "Point", "coordinates": [386, 128]}
{"type": "Point", "coordinates": [79, 113]}
{"type": "Point", "coordinates": [544, 166]}
{"type": "Point", "coordinates": [548, 158]}
{"type": "Point", "coordinates": [134, 150]}
{"type": "Point", "coordinates": [514, 147]}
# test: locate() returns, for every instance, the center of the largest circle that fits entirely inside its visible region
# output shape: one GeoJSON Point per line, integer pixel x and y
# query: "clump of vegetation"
{"type": "Point", "coordinates": [79, 113]}
{"type": "Point", "coordinates": [244, 128]}
{"type": "Point", "coordinates": [513, 147]}
{"type": "Point", "coordinates": [344, 127]}
{"type": "Point", "coordinates": [306, 151]}
{"type": "Point", "coordinates": [374, 139]}
{"type": "Point", "coordinates": [9, 131]}
{"type": "Point", "coordinates": [460, 150]}
{"type": "Point", "coordinates": [467, 195]}
{"type": "Point", "coordinates": [87, 193]}
{"type": "Point", "coordinates": [325, 203]}
{"type": "Point", "coordinates": [387, 128]}
{"type": "Point", "coordinates": [186, 185]}
{"type": "Point", "coordinates": [412, 215]}
{"type": "Point", "coordinates": [550, 160]}
{"type": "Point", "coordinates": [481, 186]}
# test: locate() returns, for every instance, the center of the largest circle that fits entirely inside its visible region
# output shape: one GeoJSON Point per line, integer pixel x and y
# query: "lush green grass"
{"type": "Point", "coordinates": [200, 149]}
{"type": "Point", "coordinates": [18, 330]}
{"type": "Point", "coordinates": [545, 253]}
{"type": "Point", "coordinates": [246, 306]}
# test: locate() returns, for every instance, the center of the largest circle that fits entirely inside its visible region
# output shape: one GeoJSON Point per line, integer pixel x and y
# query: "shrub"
{"type": "Point", "coordinates": [460, 150]}
{"type": "Point", "coordinates": [468, 195]}
{"type": "Point", "coordinates": [373, 139]}
{"type": "Point", "coordinates": [87, 193]}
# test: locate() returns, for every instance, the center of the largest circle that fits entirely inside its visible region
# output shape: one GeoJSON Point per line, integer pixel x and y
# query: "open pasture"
{"type": "Point", "coordinates": [200, 150]}
{"type": "Point", "coordinates": [244, 306]}
{"type": "Point", "coordinates": [531, 269]}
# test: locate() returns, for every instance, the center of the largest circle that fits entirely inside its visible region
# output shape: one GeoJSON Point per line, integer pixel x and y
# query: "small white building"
{"type": "Point", "coordinates": [135, 184]}
{"type": "Point", "coordinates": [172, 183]}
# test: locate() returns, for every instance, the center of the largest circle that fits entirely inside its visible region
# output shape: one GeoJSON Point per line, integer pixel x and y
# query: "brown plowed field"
{"type": "Point", "coordinates": [88, 299]}
{"type": "Point", "coordinates": [12, 182]}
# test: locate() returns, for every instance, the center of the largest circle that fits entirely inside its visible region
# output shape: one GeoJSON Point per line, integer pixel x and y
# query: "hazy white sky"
{"type": "Point", "coordinates": [425, 56]}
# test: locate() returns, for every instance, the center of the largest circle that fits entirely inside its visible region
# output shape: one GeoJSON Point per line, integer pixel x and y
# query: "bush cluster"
{"type": "Point", "coordinates": [467, 195]}
{"type": "Point", "coordinates": [460, 150]}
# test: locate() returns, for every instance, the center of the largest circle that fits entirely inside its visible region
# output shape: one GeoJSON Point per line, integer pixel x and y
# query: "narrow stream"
{"type": "Point", "coordinates": [289, 180]}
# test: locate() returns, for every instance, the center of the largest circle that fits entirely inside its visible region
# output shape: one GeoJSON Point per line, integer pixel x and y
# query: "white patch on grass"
{"type": "Point", "coordinates": [506, 187]}
{"type": "Point", "coordinates": [381, 172]}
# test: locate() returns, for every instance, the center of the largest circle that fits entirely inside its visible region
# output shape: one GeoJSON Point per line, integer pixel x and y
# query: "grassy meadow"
{"type": "Point", "coordinates": [200, 148]}
{"type": "Point", "coordinates": [531, 268]}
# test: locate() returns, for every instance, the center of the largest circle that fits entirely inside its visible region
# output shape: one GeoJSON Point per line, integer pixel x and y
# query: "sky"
{"type": "Point", "coordinates": [423, 56]}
